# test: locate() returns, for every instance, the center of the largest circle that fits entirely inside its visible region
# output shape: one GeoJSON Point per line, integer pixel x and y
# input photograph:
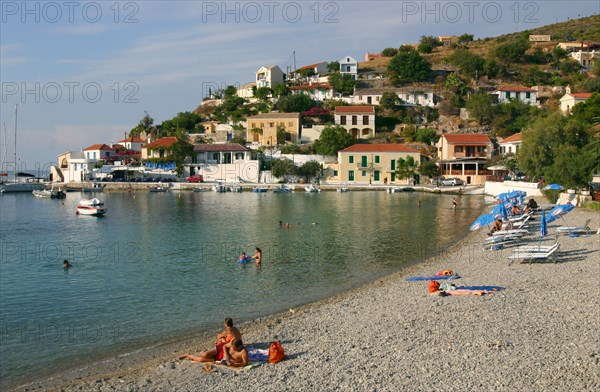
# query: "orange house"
{"type": "Point", "coordinates": [465, 156]}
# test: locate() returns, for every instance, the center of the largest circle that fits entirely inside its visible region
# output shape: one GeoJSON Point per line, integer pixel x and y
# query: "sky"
{"type": "Point", "coordinates": [83, 73]}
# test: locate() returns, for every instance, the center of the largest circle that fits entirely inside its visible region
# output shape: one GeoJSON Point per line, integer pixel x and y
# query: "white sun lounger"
{"type": "Point", "coordinates": [575, 230]}
{"type": "Point", "coordinates": [534, 255]}
{"type": "Point", "coordinates": [535, 248]}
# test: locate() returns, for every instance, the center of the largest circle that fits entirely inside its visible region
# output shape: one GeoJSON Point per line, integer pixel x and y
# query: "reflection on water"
{"type": "Point", "coordinates": [163, 264]}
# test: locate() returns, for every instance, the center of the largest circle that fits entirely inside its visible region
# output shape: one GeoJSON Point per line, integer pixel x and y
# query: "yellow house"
{"type": "Point", "coordinates": [465, 156]}
{"type": "Point", "coordinates": [262, 128]}
{"type": "Point", "coordinates": [374, 163]}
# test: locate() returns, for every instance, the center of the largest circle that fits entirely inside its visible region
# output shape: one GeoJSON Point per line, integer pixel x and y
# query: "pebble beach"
{"type": "Point", "coordinates": [539, 334]}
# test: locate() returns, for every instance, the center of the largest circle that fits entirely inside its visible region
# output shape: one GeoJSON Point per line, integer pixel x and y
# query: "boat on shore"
{"type": "Point", "coordinates": [260, 189]}
{"type": "Point", "coordinates": [312, 188]}
{"type": "Point", "coordinates": [394, 189]}
{"type": "Point", "coordinates": [158, 188]}
{"type": "Point", "coordinates": [282, 189]}
{"type": "Point", "coordinates": [220, 188]}
{"type": "Point", "coordinates": [342, 189]}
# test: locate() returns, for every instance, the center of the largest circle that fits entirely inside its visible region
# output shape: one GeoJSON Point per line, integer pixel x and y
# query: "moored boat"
{"type": "Point", "coordinates": [312, 188]}
{"type": "Point", "coordinates": [49, 194]}
{"type": "Point", "coordinates": [91, 202]}
{"type": "Point", "coordinates": [342, 189]}
{"type": "Point", "coordinates": [282, 189]}
{"type": "Point", "coordinates": [90, 210]}
{"type": "Point", "coordinates": [260, 189]}
{"type": "Point", "coordinates": [158, 188]}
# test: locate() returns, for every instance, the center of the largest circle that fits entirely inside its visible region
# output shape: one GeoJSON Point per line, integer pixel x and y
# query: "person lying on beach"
{"type": "Point", "coordinates": [223, 343]}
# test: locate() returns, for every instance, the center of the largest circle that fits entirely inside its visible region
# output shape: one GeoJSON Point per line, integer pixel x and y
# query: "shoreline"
{"type": "Point", "coordinates": [540, 298]}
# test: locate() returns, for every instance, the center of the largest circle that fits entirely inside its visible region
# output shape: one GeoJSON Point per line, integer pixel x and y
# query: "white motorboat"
{"type": "Point", "coordinates": [342, 189]}
{"type": "Point", "coordinates": [312, 188]}
{"type": "Point", "coordinates": [158, 188]}
{"type": "Point", "coordinates": [49, 194]}
{"type": "Point", "coordinates": [260, 189]}
{"type": "Point", "coordinates": [394, 189]}
{"type": "Point", "coordinates": [220, 188]}
{"type": "Point", "coordinates": [91, 202]}
{"type": "Point", "coordinates": [91, 210]}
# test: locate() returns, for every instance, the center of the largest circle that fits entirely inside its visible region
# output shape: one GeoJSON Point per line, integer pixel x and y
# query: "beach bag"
{"type": "Point", "coordinates": [433, 286]}
{"type": "Point", "coordinates": [276, 352]}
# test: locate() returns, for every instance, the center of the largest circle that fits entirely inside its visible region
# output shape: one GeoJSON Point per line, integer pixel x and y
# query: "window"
{"type": "Point", "coordinates": [528, 95]}
{"type": "Point", "coordinates": [363, 173]}
{"type": "Point", "coordinates": [393, 167]}
{"type": "Point", "coordinates": [458, 149]}
{"type": "Point", "coordinates": [239, 155]}
{"type": "Point", "coordinates": [360, 97]}
{"type": "Point", "coordinates": [342, 120]}
{"type": "Point", "coordinates": [354, 120]}
{"type": "Point", "coordinates": [216, 157]}
{"type": "Point", "coordinates": [351, 159]}
{"type": "Point", "coordinates": [335, 173]}
{"type": "Point", "coordinates": [507, 94]}
{"type": "Point", "coordinates": [481, 149]}
{"type": "Point", "coordinates": [365, 120]}
{"type": "Point", "coordinates": [262, 125]}
{"type": "Point", "coordinates": [252, 125]}
{"type": "Point", "coordinates": [271, 124]}
{"type": "Point", "coordinates": [376, 158]}
{"type": "Point", "coordinates": [377, 98]}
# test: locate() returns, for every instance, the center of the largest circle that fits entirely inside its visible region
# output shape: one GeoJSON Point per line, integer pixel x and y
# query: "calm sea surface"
{"type": "Point", "coordinates": [163, 265]}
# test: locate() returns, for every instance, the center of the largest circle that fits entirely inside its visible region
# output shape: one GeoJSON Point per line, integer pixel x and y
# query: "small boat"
{"type": "Point", "coordinates": [158, 188]}
{"type": "Point", "coordinates": [199, 189]}
{"type": "Point", "coordinates": [91, 202]}
{"type": "Point", "coordinates": [220, 188]}
{"type": "Point", "coordinates": [394, 189]}
{"type": "Point", "coordinates": [237, 188]}
{"type": "Point", "coordinates": [408, 189]}
{"type": "Point", "coordinates": [90, 210]}
{"type": "Point", "coordinates": [260, 189]}
{"type": "Point", "coordinates": [283, 189]}
{"type": "Point", "coordinates": [49, 194]}
{"type": "Point", "coordinates": [342, 189]}
{"type": "Point", "coordinates": [312, 188]}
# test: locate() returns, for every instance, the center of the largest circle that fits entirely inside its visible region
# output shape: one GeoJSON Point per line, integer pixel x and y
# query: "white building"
{"type": "Point", "coordinates": [586, 59]}
{"type": "Point", "coordinates": [132, 143]}
{"type": "Point", "coordinates": [246, 90]}
{"type": "Point", "coordinates": [349, 66]}
{"type": "Point", "coordinates": [75, 167]}
{"type": "Point", "coordinates": [269, 76]}
{"type": "Point", "coordinates": [317, 91]}
{"type": "Point", "coordinates": [409, 97]}
{"type": "Point", "coordinates": [511, 144]}
{"type": "Point", "coordinates": [524, 94]}
{"type": "Point", "coordinates": [571, 99]}
{"type": "Point", "coordinates": [225, 162]}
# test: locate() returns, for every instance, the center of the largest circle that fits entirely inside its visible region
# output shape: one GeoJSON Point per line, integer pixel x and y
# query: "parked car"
{"type": "Point", "coordinates": [195, 178]}
{"type": "Point", "coordinates": [452, 182]}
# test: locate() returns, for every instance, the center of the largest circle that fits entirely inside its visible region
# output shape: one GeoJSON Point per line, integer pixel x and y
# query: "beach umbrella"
{"type": "Point", "coordinates": [543, 225]}
{"type": "Point", "coordinates": [554, 187]}
{"type": "Point", "coordinates": [500, 209]}
{"type": "Point", "coordinates": [558, 212]}
{"type": "Point", "coordinates": [514, 194]}
{"type": "Point", "coordinates": [502, 196]}
{"type": "Point", "coordinates": [483, 220]}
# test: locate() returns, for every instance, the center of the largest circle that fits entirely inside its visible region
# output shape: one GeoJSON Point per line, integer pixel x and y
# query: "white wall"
{"type": "Point", "coordinates": [495, 188]}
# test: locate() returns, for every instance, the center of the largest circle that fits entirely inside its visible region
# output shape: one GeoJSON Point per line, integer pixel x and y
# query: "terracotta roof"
{"type": "Point", "coordinates": [132, 140]}
{"type": "Point", "coordinates": [514, 87]}
{"type": "Point", "coordinates": [379, 148]}
{"type": "Point", "coordinates": [471, 138]}
{"type": "Point", "coordinates": [228, 147]}
{"type": "Point", "coordinates": [162, 142]}
{"type": "Point", "coordinates": [581, 95]}
{"type": "Point", "coordinates": [99, 146]}
{"type": "Point", "coordinates": [355, 109]}
{"type": "Point", "coordinates": [274, 115]}
{"type": "Point", "coordinates": [513, 138]}
{"type": "Point", "coordinates": [311, 65]}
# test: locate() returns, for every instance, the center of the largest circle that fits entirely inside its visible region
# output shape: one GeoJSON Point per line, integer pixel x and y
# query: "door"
{"type": "Point", "coordinates": [376, 175]}
{"type": "Point", "coordinates": [369, 100]}
{"type": "Point", "coordinates": [351, 175]}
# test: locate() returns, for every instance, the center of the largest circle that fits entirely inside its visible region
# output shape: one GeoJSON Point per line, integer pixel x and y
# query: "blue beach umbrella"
{"type": "Point", "coordinates": [502, 196]}
{"type": "Point", "coordinates": [558, 212]}
{"type": "Point", "coordinates": [554, 187]}
{"type": "Point", "coordinates": [500, 209]}
{"type": "Point", "coordinates": [483, 220]}
{"type": "Point", "coordinates": [543, 225]}
{"type": "Point", "coordinates": [514, 194]}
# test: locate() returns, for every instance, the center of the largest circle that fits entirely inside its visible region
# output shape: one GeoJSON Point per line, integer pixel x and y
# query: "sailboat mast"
{"type": "Point", "coordinates": [15, 152]}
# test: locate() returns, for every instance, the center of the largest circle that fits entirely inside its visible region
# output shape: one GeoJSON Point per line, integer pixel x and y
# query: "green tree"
{"type": "Point", "coordinates": [588, 110]}
{"type": "Point", "coordinates": [280, 90]}
{"type": "Point", "coordinates": [309, 169]}
{"type": "Point", "coordinates": [333, 66]}
{"type": "Point", "coordinates": [511, 52]}
{"type": "Point", "coordinates": [407, 67]}
{"type": "Point", "coordinates": [263, 93]}
{"type": "Point", "coordinates": [389, 101]}
{"type": "Point", "coordinates": [409, 133]}
{"type": "Point", "coordinates": [333, 139]}
{"type": "Point", "coordinates": [389, 52]}
{"type": "Point", "coordinates": [465, 38]}
{"type": "Point", "coordinates": [406, 168]}
{"type": "Point", "coordinates": [480, 107]}
{"type": "Point", "coordinates": [426, 136]}
{"type": "Point", "coordinates": [342, 84]}
{"type": "Point", "coordinates": [291, 148]}
{"type": "Point", "coordinates": [558, 54]}
{"type": "Point", "coordinates": [458, 89]}
{"type": "Point", "coordinates": [282, 168]}
{"type": "Point", "coordinates": [425, 48]}
{"type": "Point", "coordinates": [513, 117]}
{"type": "Point", "coordinates": [429, 169]}
{"type": "Point", "coordinates": [229, 92]}
{"type": "Point", "coordinates": [281, 134]}
{"type": "Point", "coordinates": [430, 40]}
{"type": "Point", "coordinates": [492, 69]}
{"type": "Point", "coordinates": [146, 125]}
{"type": "Point", "coordinates": [468, 63]}
{"type": "Point", "coordinates": [569, 67]}
{"type": "Point", "coordinates": [294, 103]}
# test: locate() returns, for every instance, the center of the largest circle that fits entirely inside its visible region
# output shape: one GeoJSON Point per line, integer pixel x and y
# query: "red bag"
{"type": "Point", "coordinates": [276, 352]}
{"type": "Point", "coordinates": [433, 286]}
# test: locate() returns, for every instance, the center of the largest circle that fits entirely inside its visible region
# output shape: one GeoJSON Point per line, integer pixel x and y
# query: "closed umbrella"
{"type": "Point", "coordinates": [543, 225]}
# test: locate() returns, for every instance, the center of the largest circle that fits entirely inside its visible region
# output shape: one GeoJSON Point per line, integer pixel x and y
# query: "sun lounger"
{"type": "Point", "coordinates": [575, 230]}
{"type": "Point", "coordinates": [534, 255]}
{"type": "Point", "coordinates": [510, 232]}
{"type": "Point", "coordinates": [535, 248]}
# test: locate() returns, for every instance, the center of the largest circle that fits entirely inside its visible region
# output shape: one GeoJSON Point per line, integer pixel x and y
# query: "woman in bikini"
{"type": "Point", "coordinates": [258, 255]}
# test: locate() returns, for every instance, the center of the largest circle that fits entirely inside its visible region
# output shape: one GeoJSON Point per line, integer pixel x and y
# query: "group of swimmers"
{"type": "Point", "coordinates": [257, 256]}
{"type": "Point", "coordinates": [229, 349]}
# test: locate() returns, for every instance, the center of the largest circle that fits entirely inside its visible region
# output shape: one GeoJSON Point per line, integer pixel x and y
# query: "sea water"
{"type": "Point", "coordinates": [160, 266]}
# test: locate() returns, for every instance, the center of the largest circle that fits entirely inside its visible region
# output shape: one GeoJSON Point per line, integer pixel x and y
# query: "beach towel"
{"type": "Point", "coordinates": [486, 288]}
{"type": "Point", "coordinates": [461, 292]}
{"type": "Point", "coordinates": [442, 277]}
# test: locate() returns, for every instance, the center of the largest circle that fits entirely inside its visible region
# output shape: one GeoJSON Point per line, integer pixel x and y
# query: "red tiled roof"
{"type": "Point", "coordinates": [514, 87]}
{"type": "Point", "coordinates": [581, 95]}
{"type": "Point", "coordinates": [229, 147]}
{"type": "Point", "coordinates": [311, 66]}
{"type": "Point", "coordinates": [355, 109]}
{"type": "Point", "coordinates": [471, 138]}
{"type": "Point", "coordinates": [132, 140]}
{"type": "Point", "coordinates": [99, 146]}
{"type": "Point", "coordinates": [162, 142]}
{"type": "Point", "coordinates": [513, 138]}
{"type": "Point", "coordinates": [379, 148]}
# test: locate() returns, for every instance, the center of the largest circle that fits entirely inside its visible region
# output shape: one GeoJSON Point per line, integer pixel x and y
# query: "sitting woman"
{"type": "Point", "coordinates": [497, 226]}
{"type": "Point", "coordinates": [223, 344]}
{"type": "Point", "coordinates": [530, 206]}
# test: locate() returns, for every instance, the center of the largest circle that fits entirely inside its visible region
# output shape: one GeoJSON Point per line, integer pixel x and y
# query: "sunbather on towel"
{"type": "Point", "coordinates": [223, 343]}
{"type": "Point", "coordinates": [237, 355]}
